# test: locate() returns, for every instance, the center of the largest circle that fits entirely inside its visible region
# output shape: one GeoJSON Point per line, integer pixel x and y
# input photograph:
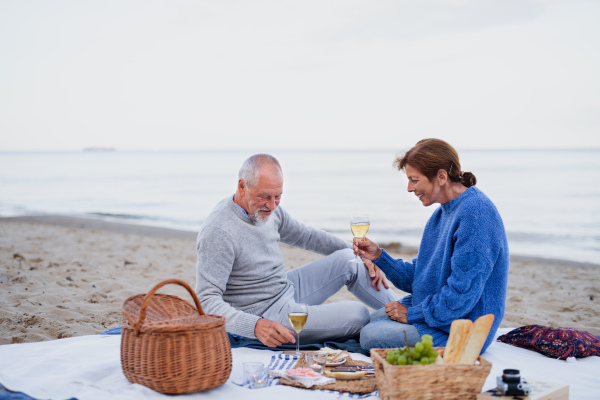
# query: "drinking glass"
{"type": "Point", "coordinates": [255, 374]}
{"type": "Point", "coordinates": [316, 361]}
{"type": "Point", "coordinates": [359, 224]}
{"type": "Point", "coordinates": [297, 314]}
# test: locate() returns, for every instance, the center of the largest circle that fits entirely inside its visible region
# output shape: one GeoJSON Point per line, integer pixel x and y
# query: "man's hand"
{"type": "Point", "coordinates": [377, 275]}
{"type": "Point", "coordinates": [272, 333]}
{"type": "Point", "coordinates": [397, 311]}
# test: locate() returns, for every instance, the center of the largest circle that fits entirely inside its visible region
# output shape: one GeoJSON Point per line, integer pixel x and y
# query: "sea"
{"type": "Point", "coordinates": [549, 199]}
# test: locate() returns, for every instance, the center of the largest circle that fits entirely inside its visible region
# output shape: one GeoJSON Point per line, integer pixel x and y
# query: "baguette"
{"type": "Point", "coordinates": [477, 337]}
{"type": "Point", "coordinates": [457, 340]}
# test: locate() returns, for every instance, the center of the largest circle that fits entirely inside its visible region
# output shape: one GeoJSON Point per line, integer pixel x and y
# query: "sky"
{"type": "Point", "coordinates": [343, 74]}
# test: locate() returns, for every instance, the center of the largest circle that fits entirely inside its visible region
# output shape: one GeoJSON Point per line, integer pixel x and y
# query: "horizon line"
{"type": "Point", "coordinates": [337, 150]}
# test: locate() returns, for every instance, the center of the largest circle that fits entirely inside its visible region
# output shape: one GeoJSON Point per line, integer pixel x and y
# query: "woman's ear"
{"type": "Point", "coordinates": [442, 176]}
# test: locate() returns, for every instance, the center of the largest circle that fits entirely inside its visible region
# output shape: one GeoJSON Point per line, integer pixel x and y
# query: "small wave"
{"type": "Point", "coordinates": [126, 216]}
{"type": "Point", "coordinates": [165, 222]}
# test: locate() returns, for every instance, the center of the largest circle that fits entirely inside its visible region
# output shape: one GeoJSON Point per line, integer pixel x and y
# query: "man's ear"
{"type": "Point", "coordinates": [241, 186]}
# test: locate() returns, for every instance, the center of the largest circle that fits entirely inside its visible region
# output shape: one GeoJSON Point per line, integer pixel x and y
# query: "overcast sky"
{"type": "Point", "coordinates": [344, 74]}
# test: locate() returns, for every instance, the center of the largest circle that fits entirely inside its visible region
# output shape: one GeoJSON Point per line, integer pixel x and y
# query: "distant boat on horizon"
{"type": "Point", "coordinates": [99, 148]}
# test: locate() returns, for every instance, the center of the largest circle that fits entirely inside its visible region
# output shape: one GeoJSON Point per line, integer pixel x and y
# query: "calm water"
{"type": "Point", "coordinates": [549, 200]}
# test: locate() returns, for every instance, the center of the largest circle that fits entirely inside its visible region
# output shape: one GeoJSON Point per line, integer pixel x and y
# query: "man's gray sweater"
{"type": "Point", "coordinates": [240, 271]}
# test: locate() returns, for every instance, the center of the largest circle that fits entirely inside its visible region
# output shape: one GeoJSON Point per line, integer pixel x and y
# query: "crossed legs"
{"type": "Point", "coordinates": [316, 282]}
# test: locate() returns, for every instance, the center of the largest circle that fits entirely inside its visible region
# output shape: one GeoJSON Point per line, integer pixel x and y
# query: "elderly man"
{"type": "Point", "coordinates": [240, 273]}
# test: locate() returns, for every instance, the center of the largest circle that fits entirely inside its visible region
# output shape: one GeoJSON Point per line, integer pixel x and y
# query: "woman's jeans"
{"type": "Point", "coordinates": [383, 332]}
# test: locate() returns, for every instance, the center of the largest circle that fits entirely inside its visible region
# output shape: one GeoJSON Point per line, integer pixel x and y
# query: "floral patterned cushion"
{"type": "Point", "coordinates": [554, 342]}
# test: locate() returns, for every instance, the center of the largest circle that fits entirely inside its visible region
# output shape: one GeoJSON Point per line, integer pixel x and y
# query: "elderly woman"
{"type": "Point", "coordinates": [461, 269]}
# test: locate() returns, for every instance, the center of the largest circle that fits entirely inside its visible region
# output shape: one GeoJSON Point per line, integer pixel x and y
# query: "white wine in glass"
{"type": "Point", "coordinates": [297, 314]}
{"type": "Point", "coordinates": [359, 224]}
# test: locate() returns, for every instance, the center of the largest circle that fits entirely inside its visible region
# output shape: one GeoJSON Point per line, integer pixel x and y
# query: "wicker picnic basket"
{"type": "Point", "coordinates": [428, 382]}
{"type": "Point", "coordinates": [171, 346]}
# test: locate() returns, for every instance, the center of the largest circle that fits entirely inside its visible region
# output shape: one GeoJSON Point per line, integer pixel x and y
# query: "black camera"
{"type": "Point", "coordinates": [512, 384]}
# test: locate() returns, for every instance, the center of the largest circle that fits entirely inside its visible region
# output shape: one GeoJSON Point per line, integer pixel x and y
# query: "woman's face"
{"type": "Point", "coordinates": [427, 191]}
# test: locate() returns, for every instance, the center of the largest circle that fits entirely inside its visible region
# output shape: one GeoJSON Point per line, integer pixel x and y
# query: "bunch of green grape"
{"type": "Point", "coordinates": [422, 354]}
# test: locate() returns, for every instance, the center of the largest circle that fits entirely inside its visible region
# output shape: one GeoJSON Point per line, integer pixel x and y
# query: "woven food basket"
{"type": "Point", "coordinates": [171, 346]}
{"type": "Point", "coordinates": [428, 382]}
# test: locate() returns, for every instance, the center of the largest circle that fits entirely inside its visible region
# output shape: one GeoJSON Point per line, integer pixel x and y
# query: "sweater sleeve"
{"type": "Point", "coordinates": [216, 255]}
{"type": "Point", "coordinates": [398, 271]}
{"type": "Point", "coordinates": [307, 237]}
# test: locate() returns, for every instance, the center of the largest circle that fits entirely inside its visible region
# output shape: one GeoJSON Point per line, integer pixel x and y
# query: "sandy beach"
{"type": "Point", "coordinates": [65, 276]}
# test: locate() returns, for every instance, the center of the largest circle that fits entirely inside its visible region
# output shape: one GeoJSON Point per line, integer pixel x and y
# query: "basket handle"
{"type": "Point", "coordinates": [149, 295]}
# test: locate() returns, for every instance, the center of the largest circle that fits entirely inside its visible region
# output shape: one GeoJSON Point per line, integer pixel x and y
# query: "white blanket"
{"type": "Point", "coordinates": [89, 368]}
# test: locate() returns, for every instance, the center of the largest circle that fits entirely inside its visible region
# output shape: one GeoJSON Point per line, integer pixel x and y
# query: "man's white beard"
{"type": "Point", "coordinates": [258, 218]}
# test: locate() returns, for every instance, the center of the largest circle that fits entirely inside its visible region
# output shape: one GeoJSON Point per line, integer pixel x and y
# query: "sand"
{"type": "Point", "coordinates": [63, 277]}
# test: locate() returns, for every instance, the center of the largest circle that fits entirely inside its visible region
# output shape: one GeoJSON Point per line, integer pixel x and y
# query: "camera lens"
{"type": "Point", "coordinates": [511, 375]}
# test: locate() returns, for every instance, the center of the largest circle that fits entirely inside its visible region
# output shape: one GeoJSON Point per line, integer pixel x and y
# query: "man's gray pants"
{"type": "Point", "coordinates": [316, 282]}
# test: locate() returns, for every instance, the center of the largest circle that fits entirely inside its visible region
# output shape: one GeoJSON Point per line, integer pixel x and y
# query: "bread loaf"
{"type": "Point", "coordinates": [477, 337]}
{"type": "Point", "coordinates": [457, 340]}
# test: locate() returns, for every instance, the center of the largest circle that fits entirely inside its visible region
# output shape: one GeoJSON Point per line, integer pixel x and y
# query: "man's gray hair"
{"type": "Point", "coordinates": [251, 167]}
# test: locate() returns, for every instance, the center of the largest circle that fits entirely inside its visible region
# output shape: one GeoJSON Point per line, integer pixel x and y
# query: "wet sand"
{"type": "Point", "coordinates": [67, 276]}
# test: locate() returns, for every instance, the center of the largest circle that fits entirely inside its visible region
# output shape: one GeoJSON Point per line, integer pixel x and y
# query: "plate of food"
{"type": "Point", "coordinates": [335, 357]}
{"type": "Point", "coordinates": [347, 375]}
{"type": "Point", "coordinates": [335, 363]}
{"type": "Point", "coordinates": [302, 373]}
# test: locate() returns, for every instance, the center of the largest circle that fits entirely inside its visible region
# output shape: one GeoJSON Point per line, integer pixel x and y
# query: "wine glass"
{"type": "Point", "coordinates": [359, 224]}
{"type": "Point", "coordinates": [297, 314]}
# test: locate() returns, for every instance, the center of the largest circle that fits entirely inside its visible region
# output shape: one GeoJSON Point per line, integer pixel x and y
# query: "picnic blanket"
{"type": "Point", "coordinates": [89, 368]}
{"type": "Point", "coordinates": [352, 345]}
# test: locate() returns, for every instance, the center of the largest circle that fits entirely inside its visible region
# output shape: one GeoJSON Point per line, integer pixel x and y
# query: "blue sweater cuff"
{"type": "Point", "coordinates": [415, 315]}
{"type": "Point", "coordinates": [385, 262]}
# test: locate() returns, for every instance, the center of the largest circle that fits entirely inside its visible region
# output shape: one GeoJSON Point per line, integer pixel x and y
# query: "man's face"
{"type": "Point", "coordinates": [261, 200]}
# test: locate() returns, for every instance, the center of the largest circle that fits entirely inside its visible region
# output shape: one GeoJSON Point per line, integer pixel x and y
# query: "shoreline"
{"type": "Point", "coordinates": [99, 223]}
{"type": "Point", "coordinates": [69, 276]}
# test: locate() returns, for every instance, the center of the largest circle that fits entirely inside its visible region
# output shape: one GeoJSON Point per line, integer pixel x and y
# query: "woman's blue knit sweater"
{"type": "Point", "coordinates": [461, 271]}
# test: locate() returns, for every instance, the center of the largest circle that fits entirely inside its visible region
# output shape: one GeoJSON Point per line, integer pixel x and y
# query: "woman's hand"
{"type": "Point", "coordinates": [366, 249]}
{"type": "Point", "coordinates": [377, 275]}
{"type": "Point", "coordinates": [397, 311]}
